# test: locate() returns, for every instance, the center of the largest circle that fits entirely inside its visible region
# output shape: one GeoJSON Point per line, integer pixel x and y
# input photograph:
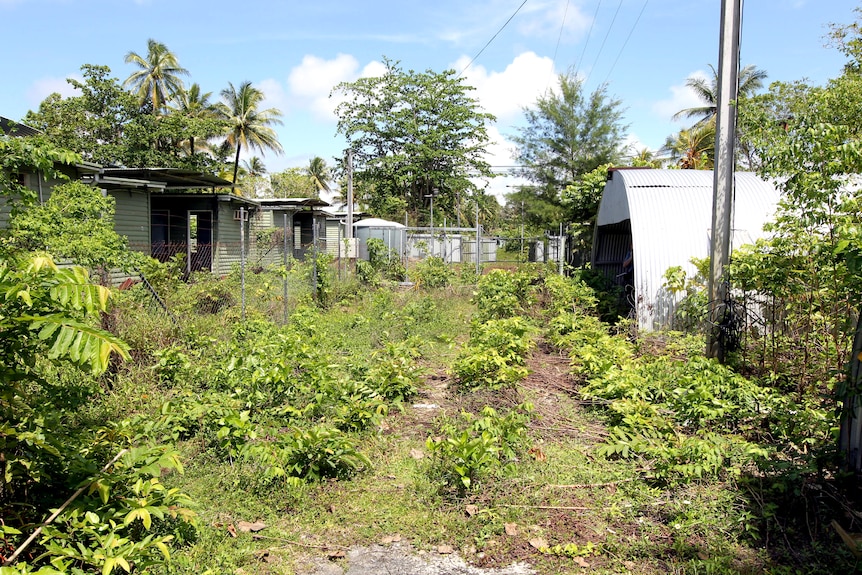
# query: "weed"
{"type": "Point", "coordinates": [466, 453]}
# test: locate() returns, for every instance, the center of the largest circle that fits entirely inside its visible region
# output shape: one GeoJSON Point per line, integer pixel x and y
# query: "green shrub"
{"type": "Point", "coordinates": [321, 452]}
{"type": "Point", "coordinates": [501, 294]}
{"type": "Point", "coordinates": [568, 294]}
{"type": "Point", "coordinates": [511, 337]}
{"type": "Point", "coordinates": [495, 355]}
{"type": "Point", "coordinates": [393, 371]}
{"type": "Point", "coordinates": [468, 451]}
{"type": "Point", "coordinates": [486, 368]}
{"type": "Point", "coordinates": [669, 410]}
{"type": "Point", "coordinates": [432, 272]}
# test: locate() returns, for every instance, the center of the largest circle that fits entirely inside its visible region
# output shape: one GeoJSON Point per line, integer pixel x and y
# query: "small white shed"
{"type": "Point", "coordinates": [391, 233]}
{"type": "Point", "coordinates": [665, 218]}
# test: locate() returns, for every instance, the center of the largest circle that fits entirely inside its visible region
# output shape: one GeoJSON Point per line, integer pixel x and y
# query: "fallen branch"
{"type": "Point", "coordinates": [588, 485]}
{"type": "Point", "coordinates": [57, 513]}
{"type": "Point", "coordinates": [555, 507]}
{"type": "Point", "coordinates": [292, 542]}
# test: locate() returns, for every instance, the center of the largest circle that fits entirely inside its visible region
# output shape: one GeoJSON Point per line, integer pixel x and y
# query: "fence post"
{"type": "Point", "coordinates": [561, 243]}
{"type": "Point", "coordinates": [314, 256]}
{"type": "Point", "coordinates": [242, 257]}
{"type": "Point", "coordinates": [284, 258]}
{"type": "Point", "coordinates": [478, 243]}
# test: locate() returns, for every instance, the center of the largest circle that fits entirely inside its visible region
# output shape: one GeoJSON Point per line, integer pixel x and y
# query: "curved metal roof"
{"type": "Point", "coordinates": [671, 222]}
{"type": "Point", "coordinates": [376, 223]}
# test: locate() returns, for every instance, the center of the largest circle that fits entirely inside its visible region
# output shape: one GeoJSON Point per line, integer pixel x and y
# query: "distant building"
{"type": "Point", "coordinates": [665, 218]}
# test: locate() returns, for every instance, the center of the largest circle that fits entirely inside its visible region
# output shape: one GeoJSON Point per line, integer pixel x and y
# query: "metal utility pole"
{"type": "Point", "coordinates": [561, 244]}
{"type": "Point", "coordinates": [723, 173]}
{"type": "Point", "coordinates": [431, 196]}
{"type": "Point", "coordinates": [348, 233]}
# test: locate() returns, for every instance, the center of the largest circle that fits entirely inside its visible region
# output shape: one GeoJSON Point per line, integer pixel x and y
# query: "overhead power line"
{"type": "Point", "coordinates": [587, 41]}
{"type": "Point", "coordinates": [559, 37]}
{"type": "Point", "coordinates": [626, 42]}
{"type": "Point", "coordinates": [491, 40]}
{"type": "Point", "coordinates": [605, 39]}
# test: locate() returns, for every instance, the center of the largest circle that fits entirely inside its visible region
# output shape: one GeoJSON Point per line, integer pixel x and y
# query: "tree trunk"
{"type": "Point", "coordinates": [235, 167]}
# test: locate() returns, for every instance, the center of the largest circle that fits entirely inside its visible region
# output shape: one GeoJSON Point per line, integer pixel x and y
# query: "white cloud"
{"type": "Point", "coordinates": [633, 145]}
{"type": "Point", "coordinates": [682, 97]}
{"type": "Point", "coordinates": [544, 20]}
{"type": "Point", "coordinates": [506, 93]}
{"type": "Point", "coordinates": [44, 87]}
{"type": "Point", "coordinates": [499, 153]}
{"type": "Point", "coordinates": [273, 95]}
{"type": "Point", "coordinates": [311, 83]}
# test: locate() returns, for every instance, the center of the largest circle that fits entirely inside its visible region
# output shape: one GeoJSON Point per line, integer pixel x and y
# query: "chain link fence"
{"type": "Point", "coordinates": [268, 269]}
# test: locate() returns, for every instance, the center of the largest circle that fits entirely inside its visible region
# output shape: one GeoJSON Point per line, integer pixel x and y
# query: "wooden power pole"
{"type": "Point", "coordinates": [723, 173]}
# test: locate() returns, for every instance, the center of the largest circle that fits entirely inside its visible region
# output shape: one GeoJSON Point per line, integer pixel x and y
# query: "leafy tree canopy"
{"type": "Point", "coordinates": [568, 134]}
{"type": "Point", "coordinates": [34, 155]}
{"type": "Point", "coordinates": [413, 134]}
{"type": "Point", "coordinates": [76, 223]}
{"type": "Point", "coordinates": [808, 139]}
{"type": "Point", "coordinates": [293, 183]}
{"type": "Point", "coordinates": [106, 125]}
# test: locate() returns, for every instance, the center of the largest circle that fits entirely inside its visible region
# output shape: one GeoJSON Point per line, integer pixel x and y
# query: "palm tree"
{"type": "Point", "coordinates": [750, 80]}
{"type": "Point", "coordinates": [248, 125]}
{"type": "Point", "coordinates": [318, 171]}
{"type": "Point", "coordinates": [158, 78]}
{"type": "Point", "coordinates": [693, 148]}
{"type": "Point", "coordinates": [644, 157]}
{"type": "Point", "coordinates": [254, 166]}
{"type": "Point", "coordinates": [193, 103]}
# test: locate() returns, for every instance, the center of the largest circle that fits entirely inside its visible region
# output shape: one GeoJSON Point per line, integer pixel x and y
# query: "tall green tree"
{"type": "Point", "coordinates": [568, 134]}
{"type": "Point", "coordinates": [693, 148]}
{"type": "Point", "coordinates": [750, 81]}
{"type": "Point", "coordinates": [413, 135]}
{"type": "Point", "coordinates": [105, 124]}
{"type": "Point", "coordinates": [318, 171]}
{"type": "Point", "coordinates": [254, 166]}
{"type": "Point", "coordinates": [248, 125]}
{"type": "Point", "coordinates": [93, 123]}
{"type": "Point", "coordinates": [808, 139]}
{"type": "Point", "coordinates": [195, 104]}
{"type": "Point", "coordinates": [293, 183]}
{"type": "Point", "coordinates": [158, 77]}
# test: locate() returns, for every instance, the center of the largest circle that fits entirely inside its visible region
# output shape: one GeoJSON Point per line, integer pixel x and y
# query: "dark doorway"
{"type": "Point", "coordinates": [199, 240]}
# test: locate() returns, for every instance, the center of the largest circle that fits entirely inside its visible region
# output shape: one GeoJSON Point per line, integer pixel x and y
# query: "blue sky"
{"type": "Point", "coordinates": [297, 51]}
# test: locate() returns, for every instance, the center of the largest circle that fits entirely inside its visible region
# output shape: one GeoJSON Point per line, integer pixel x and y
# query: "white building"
{"type": "Point", "coordinates": [665, 218]}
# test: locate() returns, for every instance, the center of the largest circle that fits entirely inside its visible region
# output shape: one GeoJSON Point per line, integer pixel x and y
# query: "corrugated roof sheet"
{"type": "Point", "coordinates": [671, 220]}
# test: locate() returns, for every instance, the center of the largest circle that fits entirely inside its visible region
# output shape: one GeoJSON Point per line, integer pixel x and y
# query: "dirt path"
{"type": "Point", "coordinates": [403, 559]}
{"type": "Point", "coordinates": [548, 379]}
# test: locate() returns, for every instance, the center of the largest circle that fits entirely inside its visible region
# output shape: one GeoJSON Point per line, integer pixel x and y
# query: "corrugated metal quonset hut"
{"type": "Point", "coordinates": [665, 218]}
{"type": "Point", "coordinates": [392, 233]}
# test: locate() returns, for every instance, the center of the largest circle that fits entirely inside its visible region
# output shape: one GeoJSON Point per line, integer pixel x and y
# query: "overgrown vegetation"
{"type": "Point", "coordinates": [317, 416]}
{"type": "Point", "coordinates": [514, 424]}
